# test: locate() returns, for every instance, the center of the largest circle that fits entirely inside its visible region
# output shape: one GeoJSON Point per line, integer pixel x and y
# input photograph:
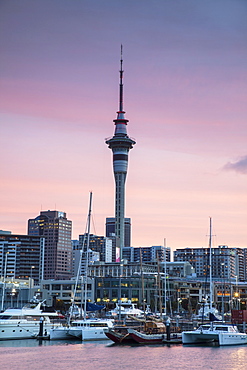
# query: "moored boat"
{"type": "Point", "coordinates": [126, 309]}
{"type": "Point", "coordinates": [216, 332]}
{"type": "Point", "coordinates": [153, 333]}
{"type": "Point", "coordinates": [119, 335]}
{"type": "Point", "coordinates": [88, 329]}
{"type": "Point", "coordinates": [143, 338]}
{"type": "Point", "coordinates": [24, 323]}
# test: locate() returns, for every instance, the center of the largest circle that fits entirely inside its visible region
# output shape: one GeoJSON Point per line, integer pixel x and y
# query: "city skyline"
{"type": "Point", "coordinates": [184, 97]}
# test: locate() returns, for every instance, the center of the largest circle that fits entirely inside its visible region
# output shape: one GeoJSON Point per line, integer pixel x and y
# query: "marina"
{"type": "Point", "coordinates": [147, 283]}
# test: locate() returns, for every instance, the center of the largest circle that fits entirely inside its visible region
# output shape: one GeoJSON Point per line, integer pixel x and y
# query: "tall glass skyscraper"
{"type": "Point", "coordinates": [56, 229]}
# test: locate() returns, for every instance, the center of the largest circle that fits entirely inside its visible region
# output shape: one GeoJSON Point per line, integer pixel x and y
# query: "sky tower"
{"type": "Point", "coordinates": [120, 144]}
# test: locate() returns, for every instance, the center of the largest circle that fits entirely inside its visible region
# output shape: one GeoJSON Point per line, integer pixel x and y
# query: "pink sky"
{"type": "Point", "coordinates": [184, 95]}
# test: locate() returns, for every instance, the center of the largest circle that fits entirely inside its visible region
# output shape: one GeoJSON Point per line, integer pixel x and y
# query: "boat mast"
{"type": "Point", "coordinates": [143, 291]}
{"type": "Point", "coordinates": [87, 252]}
{"type": "Point", "coordinates": [210, 264]}
{"type": "Point", "coordinates": [165, 274]}
{"type": "Point", "coordinates": [76, 283]}
{"type": "Point", "coordinates": [4, 279]}
{"type": "Point", "coordinates": [159, 287]}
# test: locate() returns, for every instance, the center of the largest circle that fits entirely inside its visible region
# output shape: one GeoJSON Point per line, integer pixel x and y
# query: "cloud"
{"type": "Point", "coordinates": [239, 166]}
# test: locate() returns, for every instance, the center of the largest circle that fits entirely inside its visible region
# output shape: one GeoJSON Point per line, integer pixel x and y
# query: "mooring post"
{"type": "Point", "coordinates": [168, 329]}
{"type": "Point", "coordinates": [41, 326]}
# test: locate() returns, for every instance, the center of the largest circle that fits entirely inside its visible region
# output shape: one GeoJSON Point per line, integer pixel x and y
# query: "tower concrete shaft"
{"type": "Point", "coordinates": [120, 144]}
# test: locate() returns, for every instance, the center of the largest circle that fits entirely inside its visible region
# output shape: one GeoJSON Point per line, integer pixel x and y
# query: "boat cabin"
{"type": "Point", "coordinates": [152, 327]}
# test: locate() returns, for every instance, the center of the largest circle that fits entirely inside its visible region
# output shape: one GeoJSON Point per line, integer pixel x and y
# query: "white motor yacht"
{"type": "Point", "coordinates": [218, 332]}
{"type": "Point", "coordinates": [126, 308]}
{"type": "Point", "coordinates": [205, 311]}
{"type": "Point", "coordinates": [20, 323]}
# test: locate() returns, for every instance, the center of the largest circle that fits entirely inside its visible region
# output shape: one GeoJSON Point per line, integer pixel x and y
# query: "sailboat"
{"type": "Point", "coordinates": [86, 328]}
{"type": "Point", "coordinates": [154, 330]}
{"type": "Point", "coordinates": [216, 331]}
{"type": "Point", "coordinates": [207, 311]}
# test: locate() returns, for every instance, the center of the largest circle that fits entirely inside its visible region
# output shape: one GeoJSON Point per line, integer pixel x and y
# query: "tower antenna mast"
{"type": "Point", "coordinates": [120, 144]}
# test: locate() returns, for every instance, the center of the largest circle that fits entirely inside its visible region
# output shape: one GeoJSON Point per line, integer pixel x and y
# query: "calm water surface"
{"type": "Point", "coordinates": [30, 354]}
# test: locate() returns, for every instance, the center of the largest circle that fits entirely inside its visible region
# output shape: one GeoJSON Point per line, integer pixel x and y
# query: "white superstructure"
{"type": "Point", "coordinates": [126, 308]}
{"type": "Point", "coordinates": [23, 323]}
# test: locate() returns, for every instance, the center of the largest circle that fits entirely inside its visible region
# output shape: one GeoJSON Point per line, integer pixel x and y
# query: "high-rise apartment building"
{"type": "Point", "coordinates": [21, 256]}
{"type": "Point", "coordinates": [56, 229]}
{"type": "Point", "coordinates": [227, 263]}
{"type": "Point", "coordinates": [100, 250]}
{"type": "Point", "coordinates": [100, 244]}
{"type": "Point", "coordinates": [147, 254]}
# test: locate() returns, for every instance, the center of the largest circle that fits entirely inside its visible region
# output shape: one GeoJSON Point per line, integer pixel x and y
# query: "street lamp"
{"type": "Point", "coordinates": [31, 272]}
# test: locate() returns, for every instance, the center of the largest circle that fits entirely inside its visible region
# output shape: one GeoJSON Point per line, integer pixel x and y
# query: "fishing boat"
{"type": "Point", "coordinates": [24, 323]}
{"type": "Point", "coordinates": [216, 332]}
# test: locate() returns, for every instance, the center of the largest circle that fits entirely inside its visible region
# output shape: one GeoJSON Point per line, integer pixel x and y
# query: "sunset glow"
{"type": "Point", "coordinates": [185, 65]}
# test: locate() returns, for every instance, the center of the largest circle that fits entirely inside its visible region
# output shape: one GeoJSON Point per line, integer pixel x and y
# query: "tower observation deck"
{"type": "Point", "coordinates": [120, 144]}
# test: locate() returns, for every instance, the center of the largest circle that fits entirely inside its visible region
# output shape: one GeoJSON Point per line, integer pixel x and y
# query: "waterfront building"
{"type": "Point", "coordinates": [21, 256]}
{"type": "Point", "coordinates": [185, 294]}
{"type": "Point", "coordinates": [108, 292]}
{"type": "Point", "coordinates": [120, 144]}
{"type": "Point", "coordinates": [116, 269]}
{"type": "Point", "coordinates": [64, 292]}
{"type": "Point", "coordinates": [56, 229]}
{"type": "Point", "coordinates": [15, 292]}
{"type": "Point", "coordinates": [181, 269]}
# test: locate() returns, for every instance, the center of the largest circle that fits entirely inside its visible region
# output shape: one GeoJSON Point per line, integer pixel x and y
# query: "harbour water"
{"type": "Point", "coordinates": [34, 355]}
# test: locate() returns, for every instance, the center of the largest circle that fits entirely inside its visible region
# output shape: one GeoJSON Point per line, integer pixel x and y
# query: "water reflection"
{"type": "Point", "coordinates": [30, 353]}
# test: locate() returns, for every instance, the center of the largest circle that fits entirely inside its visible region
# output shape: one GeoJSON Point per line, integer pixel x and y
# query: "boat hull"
{"type": "Point", "coordinates": [199, 337]}
{"type": "Point", "coordinates": [143, 338]}
{"type": "Point", "coordinates": [226, 339]}
{"type": "Point", "coordinates": [222, 339]}
{"type": "Point", "coordinates": [119, 337]}
{"type": "Point", "coordinates": [87, 333]}
{"type": "Point", "coordinates": [22, 329]}
{"type": "Point", "coordinates": [93, 334]}
{"type": "Point", "coordinates": [83, 330]}
{"type": "Point", "coordinates": [60, 333]}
